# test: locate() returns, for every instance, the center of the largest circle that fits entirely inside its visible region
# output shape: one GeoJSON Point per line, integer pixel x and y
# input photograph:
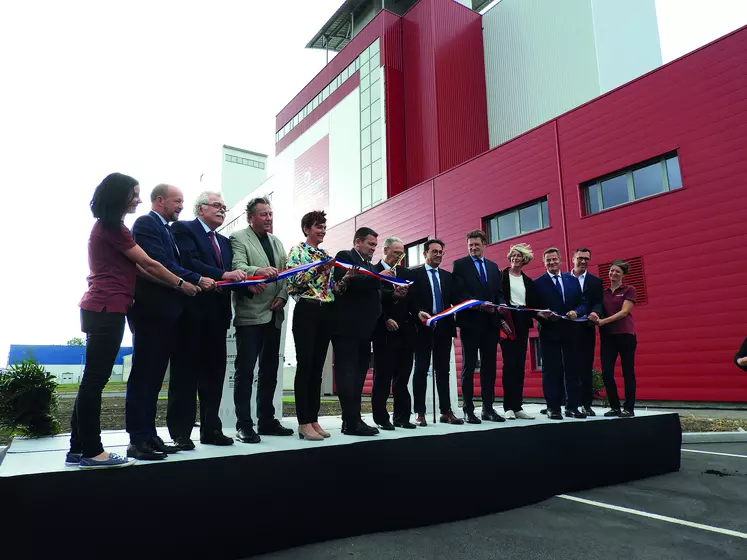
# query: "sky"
{"type": "Point", "coordinates": [153, 89]}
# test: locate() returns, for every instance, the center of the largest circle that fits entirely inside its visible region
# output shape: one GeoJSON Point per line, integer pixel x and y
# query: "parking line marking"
{"type": "Point", "coordinates": [715, 453]}
{"type": "Point", "coordinates": [656, 516]}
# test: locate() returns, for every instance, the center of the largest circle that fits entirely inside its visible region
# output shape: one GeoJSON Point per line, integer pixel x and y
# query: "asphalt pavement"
{"type": "Point", "coordinates": [699, 513]}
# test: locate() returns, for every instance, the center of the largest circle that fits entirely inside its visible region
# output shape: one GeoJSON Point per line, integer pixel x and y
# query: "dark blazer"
{"type": "Point", "coordinates": [741, 353]}
{"type": "Point", "coordinates": [358, 308]}
{"type": "Point", "coordinates": [198, 253]}
{"type": "Point", "coordinates": [152, 299]}
{"type": "Point", "coordinates": [420, 296]}
{"type": "Point", "coordinates": [395, 308]}
{"type": "Point", "coordinates": [532, 297]}
{"type": "Point", "coordinates": [465, 271]}
{"type": "Point", "coordinates": [551, 299]}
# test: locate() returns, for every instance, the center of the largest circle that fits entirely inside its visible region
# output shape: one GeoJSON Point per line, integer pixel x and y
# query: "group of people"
{"type": "Point", "coordinates": [165, 277]}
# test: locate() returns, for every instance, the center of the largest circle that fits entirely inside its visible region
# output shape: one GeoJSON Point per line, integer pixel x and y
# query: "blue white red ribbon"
{"type": "Point", "coordinates": [253, 280]}
{"type": "Point", "coordinates": [475, 302]}
{"type": "Point", "coordinates": [366, 272]}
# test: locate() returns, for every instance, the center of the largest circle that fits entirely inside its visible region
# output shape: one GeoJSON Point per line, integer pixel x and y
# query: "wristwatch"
{"type": "Point", "coordinates": [179, 284]}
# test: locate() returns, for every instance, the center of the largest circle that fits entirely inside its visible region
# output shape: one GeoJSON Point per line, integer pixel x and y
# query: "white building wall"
{"type": "Point", "coordinates": [543, 58]}
{"type": "Point", "coordinates": [241, 171]}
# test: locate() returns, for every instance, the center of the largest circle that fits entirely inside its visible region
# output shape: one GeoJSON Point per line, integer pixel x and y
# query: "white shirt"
{"type": "Point", "coordinates": [386, 266]}
{"type": "Point", "coordinates": [430, 276]}
{"type": "Point", "coordinates": [208, 230]}
{"type": "Point", "coordinates": [560, 280]}
{"type": "Point", "coordinates": [581, 279]}
{"type": "Point", "coordinates": [518, 290]}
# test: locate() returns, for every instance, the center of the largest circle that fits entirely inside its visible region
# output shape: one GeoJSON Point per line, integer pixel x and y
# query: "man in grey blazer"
{"type": "Point", "coordinates": [258, 318]}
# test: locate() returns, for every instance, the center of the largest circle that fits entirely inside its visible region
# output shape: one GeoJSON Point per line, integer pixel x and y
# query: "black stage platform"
{"type": "Point", "coordinates": [248, 499]}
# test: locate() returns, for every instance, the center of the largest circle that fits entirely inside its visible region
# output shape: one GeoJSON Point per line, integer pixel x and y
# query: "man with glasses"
{"type": "Point", "coordinates": [199, 365]}
{"type": "Point", "coordinates": [586, 336]}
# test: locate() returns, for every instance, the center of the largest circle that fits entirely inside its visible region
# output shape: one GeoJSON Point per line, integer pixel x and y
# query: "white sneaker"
{"type": "Point", "coordinates": [523, 415]}
{"type": "Point", "coordinates": [509, 415]}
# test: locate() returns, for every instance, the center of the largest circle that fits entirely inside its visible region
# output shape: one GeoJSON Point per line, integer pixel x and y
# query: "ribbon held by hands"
{"type": "Point", "coordinates": [253, 280]}
{"type": "Point", "coordinates": [366, 272]}
{"type": "Point", "coordinates": [475, 302]}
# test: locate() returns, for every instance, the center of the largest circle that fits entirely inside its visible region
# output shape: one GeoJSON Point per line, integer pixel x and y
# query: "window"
{"type": "Point", "coordinates": [643, 180]}
{"type": "Point", "coordinates": [245, 161]}
{"type": "Point", "coordinates": [519, 220]}
{"type": "Point", "coordinates": [414, 254]}
{"type": "Point", "coordinates": [634, 277]}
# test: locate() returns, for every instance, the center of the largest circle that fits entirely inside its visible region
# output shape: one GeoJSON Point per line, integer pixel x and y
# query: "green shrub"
{"type": "Point", "coordinates": [597, 386]}
{"type": "Point", "coordinates": [28, 400]}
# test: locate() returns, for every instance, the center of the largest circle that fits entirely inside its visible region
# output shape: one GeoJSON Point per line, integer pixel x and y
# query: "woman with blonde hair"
{"type": "Point", "coordinates": [519, 291]}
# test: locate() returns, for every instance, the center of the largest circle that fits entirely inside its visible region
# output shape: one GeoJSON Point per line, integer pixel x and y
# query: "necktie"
{"type": "Point", "coordinates": [173, 241]}
{"type": "Point", "coordinates": [437, 291]}
{"type": "Point", "coordinates": [211, 235]}
{"type": "Point", "coordinates": [558, 287]}
{"type": "Point", "coordinates": [483, 275]}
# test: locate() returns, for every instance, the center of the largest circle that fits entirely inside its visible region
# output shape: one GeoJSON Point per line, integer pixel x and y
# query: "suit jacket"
{"type": "Point", "coordinates": [395, 308]}
{"type": "Point", "coordinates": [420, 297]}
{"type": "Point", "coordinates": [472, 288]}
{"type": "Point", "coordinates": [551, 299]}
{"type": "Point", "coordinates": [358, 308]}
{"type": "Point", "coordinates": [152, 299]}
{"type": "Point", "coordinates": [194, 244]}
{"type": "Point", "coordinates": [532, 299]}
{"type": "Point", "coordinates": [593, 293]}
{"type": "Point", "coordinates": [248, 255]}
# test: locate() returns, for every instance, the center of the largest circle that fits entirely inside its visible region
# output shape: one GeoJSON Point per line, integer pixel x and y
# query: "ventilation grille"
{"type": "Point", "coordinates": [634, 277]}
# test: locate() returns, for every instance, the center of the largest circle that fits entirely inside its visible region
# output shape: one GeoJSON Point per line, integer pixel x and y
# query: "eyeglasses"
{"type": "Point", "coordinates": [216, 205]}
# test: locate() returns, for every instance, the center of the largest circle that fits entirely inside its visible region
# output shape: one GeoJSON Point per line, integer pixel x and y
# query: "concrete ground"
{"type": "Point", "coordinates": [704, 509]}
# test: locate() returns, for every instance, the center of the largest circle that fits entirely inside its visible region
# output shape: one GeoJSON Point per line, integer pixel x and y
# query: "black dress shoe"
{"type": "Point", "coordinates": [470, 418]}
{"type": "Point", "coordinates": [406, 425]}
{"type": "Point", "coordinates": [274, 429]}
{"type": "Point", "coordinates": [359, 428]}
{"type": "Point", "coordinates": [613, 413]}
{"type": "Point", "coordinates": [385, 425]}
{"type": "Point", "coordinates": [491, 415]}
{"type": "Point", "coordinates": [589, 411]}
{"type": "Point", "coordinates": [543, 411]}
{"type": "Point", "coordinates": [144, 451]}
{"type": "Point", "coordinates": [159, 445]}
{"type": "Point", "coordinates": [247, 435]}
{"type": "Point", "coordinates": [183, 443]}
{"type": "Point", "coordinates": [574, 413]}
{"type": "Point", "coordinates": [554, 415]}
{"type": "Point", "coordinates": [216, 438]}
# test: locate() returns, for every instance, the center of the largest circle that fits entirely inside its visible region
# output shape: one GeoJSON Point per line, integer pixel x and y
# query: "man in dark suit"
{"type": "Point", "coordinates": [479, 328]}
{"type": "Point", "coordinates": [153, 318]}
{"type": "Point", "coordinates": [561, 293]}
{"type": "Point", "coordinates": [393, 343]}
{"type": "Point", "coordinates": [199, 364]}
{"type": "Point", "coordinates": [586, 333]}
{"type": "Point", "coordinates": [356, 310]}
{"type": "Point", "coordinates": [434, 291]}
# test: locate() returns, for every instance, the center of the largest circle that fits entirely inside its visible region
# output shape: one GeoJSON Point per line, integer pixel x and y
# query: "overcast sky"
{"type": "Point", "coordinates": [153, 89]}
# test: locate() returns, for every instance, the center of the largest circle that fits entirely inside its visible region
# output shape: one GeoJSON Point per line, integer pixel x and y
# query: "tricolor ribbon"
{"type": "Point", "coordinates": [475, 302]}
{"type": "Point", "coordinates": [253, 280]}
{"type": "Point", "coordinates": [366, 272]}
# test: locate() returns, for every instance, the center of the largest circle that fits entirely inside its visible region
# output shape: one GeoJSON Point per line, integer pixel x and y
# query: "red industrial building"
{"type": "Point", "coordinates": [652, 172]}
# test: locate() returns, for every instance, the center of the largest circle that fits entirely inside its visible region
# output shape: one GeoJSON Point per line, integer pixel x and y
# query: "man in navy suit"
{"type": "Point", "coordinates": [153, 320]}
{"type": "Point", "coordinates": [199, 364]}
{"type": "Point", "coordinates": [479, 328]}
{"type": "Point", "coordinates": [586, 333]}
{"type": "Point", "coordinates": [561, 293]}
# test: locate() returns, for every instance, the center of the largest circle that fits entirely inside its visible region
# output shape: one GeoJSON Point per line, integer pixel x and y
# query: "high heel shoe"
{"type": "Point", "coordinates": [313, 436]}
{"type": "Point", "coordinates": [318, 429]}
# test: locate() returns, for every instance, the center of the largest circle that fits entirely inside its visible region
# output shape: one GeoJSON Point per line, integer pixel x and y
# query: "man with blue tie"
{"type": "Point", "coordinates": [561, 294]}
{"type": "Point", "coordinates": [199, 364]}
{"type": "Point", "coordinates": [479, 328]}
{"type": "Point", "coordinates": [153, 319]}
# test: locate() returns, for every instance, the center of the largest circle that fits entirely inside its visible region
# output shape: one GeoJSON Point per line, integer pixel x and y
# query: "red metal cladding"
{"type": "Point", "coordinates": [690, 239]}
{"type": "Point", "coordinates": [340, 237]}
{"type": "Point", "coordinates": [385, 24]}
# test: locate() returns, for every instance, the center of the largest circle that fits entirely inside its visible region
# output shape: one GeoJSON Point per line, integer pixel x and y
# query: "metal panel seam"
{"type": "Point", "coordinates": [563, 226]}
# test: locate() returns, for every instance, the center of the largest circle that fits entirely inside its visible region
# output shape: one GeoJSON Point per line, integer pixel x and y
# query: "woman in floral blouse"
{"type": "Point", "coordinates": [312, 322]}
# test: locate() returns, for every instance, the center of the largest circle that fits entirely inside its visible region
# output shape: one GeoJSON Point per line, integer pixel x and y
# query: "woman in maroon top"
{"type": "Point", "coordinates": [617, 334]}
{"type": "Point", "coordinates": [114, 260]}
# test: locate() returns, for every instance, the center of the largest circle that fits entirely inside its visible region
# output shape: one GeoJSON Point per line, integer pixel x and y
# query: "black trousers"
{"type": "Point", "coordinates": [393, 358]}
{"type": "Point", "coordinates": [514, 363]}
{"type": "Point", "coordinates": [256, 342]}
{"type": "Point", "coordinates": [586, 339]}
{"type": "Point", "coordinates": [559, 363]}
{"type": "Point", "coordinates": [198, 367]}
{"type": "Point", "coordinates": [352, 356]}
{"type": "Point", "coordinates": [153, 346]}
{"type": "Point", "coordinates": [437, 343]}
{"type": "Point", "coordinates": [103, 337]}
{"type": "Point", "coordinates": [624, 345]}
{"type": "Point", "coordinates": [486, 342]}
{"type": "Point", "coordinates": [312, 332]}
